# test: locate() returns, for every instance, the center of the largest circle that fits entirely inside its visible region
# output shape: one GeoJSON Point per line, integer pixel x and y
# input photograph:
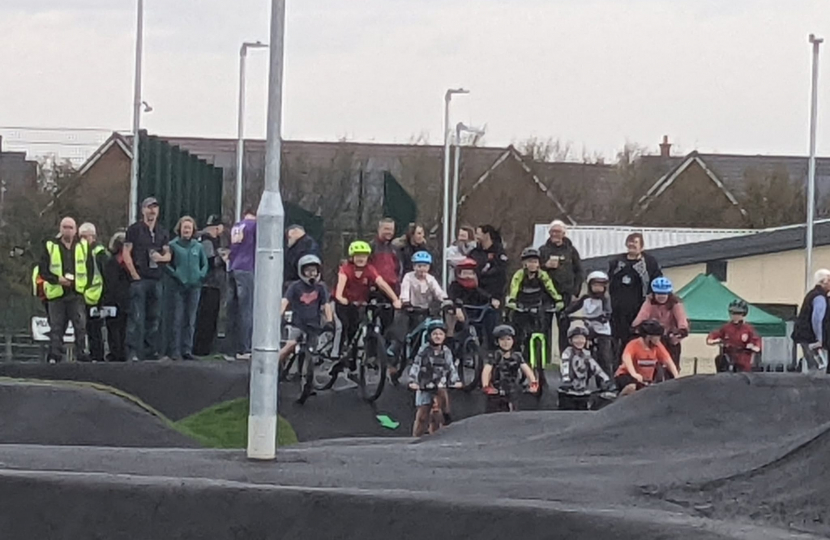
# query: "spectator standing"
{"type": "Point", "coordinates": [299, 244]}
{"type": "Point", "coordinates": [117, 295]}
{"type": "Point", "coordinates": [811, 326]}
{"type": "Point", "coordinates": [64, 267]}
{"type": "Point", "coordinates": [563, 264]}
{"type": "Point", "coordinates": [412, 242]}
{"type": "Point", "coordinates": [94, 292]}
{"type": "Point", "coordinates": [189, 267]}
{"type": "Point", "coordinates": [210, 301]}
{"type": "Point", "coordinates": [491, 268]}
{"type": "Point", "coordinates": [242, 263]}
{"type": "Point", "coordinates": [460, 249]}
{"type": "Point", "coordinates": [630, 277]}
{"type": "Point", "coordinates": [385, 257]}
{"type": "Point", "coordinates": [146, 250]}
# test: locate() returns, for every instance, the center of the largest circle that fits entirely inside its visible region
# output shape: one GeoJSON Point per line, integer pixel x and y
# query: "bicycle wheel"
{"type": "Point", "coordinates": [372, 367]}
{"type": "Point", "coordinates": [470, 364]}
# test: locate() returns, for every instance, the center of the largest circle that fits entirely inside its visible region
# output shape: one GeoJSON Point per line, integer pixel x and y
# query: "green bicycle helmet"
{"type": "Point", "coordinates": [738, 306]}
{"type": "Point", "coordinates": [359, 247]}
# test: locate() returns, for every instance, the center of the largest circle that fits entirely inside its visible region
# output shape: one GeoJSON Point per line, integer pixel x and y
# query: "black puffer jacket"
{"type": "Point", "coordinates": [568, 275]}
{"type": "Point", "coordinates": [492, 269]}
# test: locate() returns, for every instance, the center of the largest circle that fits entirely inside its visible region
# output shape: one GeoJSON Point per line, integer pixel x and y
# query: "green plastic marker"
{"type": "Point", "coordinates": [387, 422]}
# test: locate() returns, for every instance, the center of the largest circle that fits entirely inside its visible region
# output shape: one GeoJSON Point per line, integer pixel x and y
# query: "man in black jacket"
{"type": "Point", "coordinates": [299, 245]}
{"type": "Point", "coordinates": [564, 266]}
{"type": "Point", "coordinates": [492, 273]}
{"type": "Point", "coordinates": [811, 326]}
{"type": "Point", "coordinates": [210, 300]}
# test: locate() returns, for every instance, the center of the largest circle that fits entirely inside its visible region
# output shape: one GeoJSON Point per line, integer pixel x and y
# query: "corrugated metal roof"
{"type": "Point", "coordinates": [599, 241]}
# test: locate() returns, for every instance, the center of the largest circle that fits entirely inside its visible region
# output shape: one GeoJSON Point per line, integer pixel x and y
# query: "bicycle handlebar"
{"type": "Point", "coordinates": [532, 309]}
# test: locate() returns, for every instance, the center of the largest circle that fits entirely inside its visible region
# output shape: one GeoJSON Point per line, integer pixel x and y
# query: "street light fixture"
{"type": "Point", "coordinates": [459, 129]}
{"type": "Point", "coordinates": [240, 143]}
{"type": "Point", "coordinates": [445, 239]}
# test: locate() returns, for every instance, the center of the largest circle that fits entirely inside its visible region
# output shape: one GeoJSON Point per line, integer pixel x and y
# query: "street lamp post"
{"type": "Point", "coordinates": [811, 178]}
{"type": "Point", "coordinates": [139, 45]}
{"type": "Point", "coordinates": [459, 129]}
{"type": "Point", "coordinates": [240, 143]}
{"type": "Point", "coordinates": [446, 214]}
{"type": "Point", "coordinates": [262, 414]}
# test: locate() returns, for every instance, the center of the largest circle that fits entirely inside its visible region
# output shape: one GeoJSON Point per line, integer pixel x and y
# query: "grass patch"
{"type": "Point", "coordinates": [226, 426]}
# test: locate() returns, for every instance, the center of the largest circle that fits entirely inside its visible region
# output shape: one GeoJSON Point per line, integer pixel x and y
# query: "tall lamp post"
{"type": "Point", "coordinates": [446, 215]}
{"type": "Point", "coordinates": [240, 143]}
{"type": "Point", "coordinates": [811, 176]}
{"type": "Point", "coordinates": [262, 414]}
{"type": "Point", "coordinates": [139, 46]}
{"type": "Point", "coordinates": [459, 129]}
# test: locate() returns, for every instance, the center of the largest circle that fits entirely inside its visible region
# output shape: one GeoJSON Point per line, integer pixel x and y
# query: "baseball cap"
{"type": "Point", "coordinates": [149, 201]}
{"type": "Point", "coordinates": [213, 220]}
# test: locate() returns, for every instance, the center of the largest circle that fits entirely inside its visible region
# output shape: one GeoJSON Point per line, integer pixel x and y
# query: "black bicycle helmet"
{"type": "Point", "coordinates": [530, 253]}
{"type": "Point", "coordinates": [738, 306]}
{"type": "Point", "coordinates": [578, 331]}
{"type": "Point", "coordinates": [651, 328]}
{"type": "Point", "coordinates": [503, 330]}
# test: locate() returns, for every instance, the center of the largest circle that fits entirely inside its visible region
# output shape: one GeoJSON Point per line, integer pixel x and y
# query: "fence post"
{"type": "Point", "coordinates": [695, 369]}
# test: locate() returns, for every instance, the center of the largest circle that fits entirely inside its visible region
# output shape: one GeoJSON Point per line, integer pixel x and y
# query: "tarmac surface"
{"type": "Point", "coordinates": [710, 457]}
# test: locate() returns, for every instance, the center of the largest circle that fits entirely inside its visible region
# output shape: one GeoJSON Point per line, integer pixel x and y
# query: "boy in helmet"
{"type": "Point", "coordinates": [355, 281]}
{"type": "Point", "coordinates": [596, 308]}
{"type": "Point", "coordinates": [577, 369]}
{"type": "Point", "coordinates": [431, 373]}
{"type": "Point", "coordinates": [308, 300]}
{"type": "Point", "coordinates": [500, 376]}
{"type": "Point", "coordinates": [529, 287]}
{"type": "Point", "coordinates": [739, 339]}
{"type": "Point", "coordinates": [641, 358]}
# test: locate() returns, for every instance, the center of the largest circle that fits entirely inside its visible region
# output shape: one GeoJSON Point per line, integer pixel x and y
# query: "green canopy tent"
{"type": "Point", "coordinates": [706, 300]}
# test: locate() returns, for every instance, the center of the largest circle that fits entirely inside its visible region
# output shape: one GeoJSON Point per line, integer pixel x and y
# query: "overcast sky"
{"type": "Point", "coordinates": [714, 75]}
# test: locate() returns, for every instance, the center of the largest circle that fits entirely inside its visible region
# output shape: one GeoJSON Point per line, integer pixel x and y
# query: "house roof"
{"type": "Point", "coordinates": [117, 140]}
{"type": "Point", "coordinates": [761, 243]}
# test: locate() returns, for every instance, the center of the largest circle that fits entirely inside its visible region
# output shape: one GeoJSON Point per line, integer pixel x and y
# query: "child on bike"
{"type": "Point", "coordinates": [431, 373]}
{"type": "Point", "coordinates": [355, 281]}
{"type": "Point", "coordinates": [577, 370]}
{"type": "Point", "coordinates": [596, 309]}
{"type": "Point", "coordinates": [420, 291]}
{"type": "Point", "coordinates": [641, 358]}
{"type": "Point", "coordinates": [308, 300]}
{"type": "Point", "coordinates": [738, 338]}
{"type": "Point", "coordinates": [531, 287]}
{"type": "Point", "coordinates": [500, 376]}
{"type": "Point", "coordinates": [666, 307]}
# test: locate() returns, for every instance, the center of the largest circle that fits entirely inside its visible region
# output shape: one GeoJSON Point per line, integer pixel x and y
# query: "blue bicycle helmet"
{"type": "Point", "coordinates": [662, 285]}
{"type": "Point", "coordinates": [421, 257]}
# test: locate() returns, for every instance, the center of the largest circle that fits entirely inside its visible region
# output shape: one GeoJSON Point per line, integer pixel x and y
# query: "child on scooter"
{"type": "Point", "coordinates": [739, 339]}
{"type": "Point", "coordinates": [577, 369]}
{"type": "Point", "coordinates": [431, 373]}
{"type": "Point", "coordinates": [500, 376]}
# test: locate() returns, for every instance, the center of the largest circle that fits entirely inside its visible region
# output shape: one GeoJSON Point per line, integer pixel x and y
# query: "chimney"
{"type": "Point", "coordinates": [665, 147]}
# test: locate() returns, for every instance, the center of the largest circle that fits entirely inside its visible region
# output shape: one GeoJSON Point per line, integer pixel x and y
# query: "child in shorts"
{"type": "Point", "coordinates": [500, 377]}
{"type": "Point", "coordinates": [308, 300]}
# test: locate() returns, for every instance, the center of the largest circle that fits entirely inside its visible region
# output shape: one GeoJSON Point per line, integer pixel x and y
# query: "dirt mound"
{"type": "Point", "coordinates": [73, 416]}
{"type": "Point", "coordinates": [793, 491]}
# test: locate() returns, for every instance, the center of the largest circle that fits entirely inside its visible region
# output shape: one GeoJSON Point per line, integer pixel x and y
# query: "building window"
{"type": "Point", "coordinates": [717, 269]}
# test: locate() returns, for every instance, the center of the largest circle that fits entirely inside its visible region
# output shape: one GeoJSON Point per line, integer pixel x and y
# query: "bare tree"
{"type": "Point", "coordinates": [547, 150]}
{"type": "Point", "coordinates": [772, 199]}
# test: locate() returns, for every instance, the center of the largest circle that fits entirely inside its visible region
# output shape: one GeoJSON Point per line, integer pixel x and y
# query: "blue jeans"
{"type": "Point", "coordinates": [241, 309]}
{"type": "Point", "coordinates": [145, 311]}
{"type": "Point", "coordinates": [186, 306]}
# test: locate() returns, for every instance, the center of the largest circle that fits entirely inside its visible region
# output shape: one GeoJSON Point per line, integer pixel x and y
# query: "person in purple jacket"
{"type": "Point", "coordinates": [241, 275]}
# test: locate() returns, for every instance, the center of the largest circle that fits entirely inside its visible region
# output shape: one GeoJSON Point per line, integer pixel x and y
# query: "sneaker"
{"type": "Point", "coordinates": [134, 358]}
{"type": "Point", "coordinates": [243, 357]}
{"type": "Point", "coordinates": [188, 356]}
{"type": "Point", "coordinates": [52, 361]}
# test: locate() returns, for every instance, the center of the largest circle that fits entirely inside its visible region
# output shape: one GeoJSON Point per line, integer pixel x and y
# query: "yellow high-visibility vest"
{"type": "Point", "coordinates": [92, 294]}
{"type": "Point", "coordinates": [54, 290]}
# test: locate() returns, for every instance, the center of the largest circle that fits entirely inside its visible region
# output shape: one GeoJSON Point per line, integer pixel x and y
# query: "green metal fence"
{"type": "Point", "coordinates": [183, 183]}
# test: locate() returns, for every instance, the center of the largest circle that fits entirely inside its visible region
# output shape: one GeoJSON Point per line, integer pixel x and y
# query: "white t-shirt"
{"type": "Point", "coordinates": [421, 293]}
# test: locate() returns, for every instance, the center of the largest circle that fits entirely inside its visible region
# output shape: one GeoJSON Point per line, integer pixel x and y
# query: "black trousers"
{"type": "Point", "coordinates": [117, 337]}
{"type": "Point", "coordinates": [69, 307]}
{"type": "Point", "coordinates": [206, 321]}
{"type": "Point", "coordinates": [94, 327]}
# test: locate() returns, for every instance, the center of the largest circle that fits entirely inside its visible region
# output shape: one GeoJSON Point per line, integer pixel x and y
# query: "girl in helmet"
{"type": "Point", "coordinates": [355, 281]}
{"type": "Point", "coordinates": [739, 339]}
{"type": "Point", "coordinates": [308, 300]}
{"type": "Point", "coordinates": [431, 373]}
{"type": "Point", "coordinates": [665, 307]}
{"type": "Point", "coordinates": [577, 369]}
{"type": "Point", "coordinates": [596, 309]}
{"type": "Point", "coordinates": [500, 376]}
